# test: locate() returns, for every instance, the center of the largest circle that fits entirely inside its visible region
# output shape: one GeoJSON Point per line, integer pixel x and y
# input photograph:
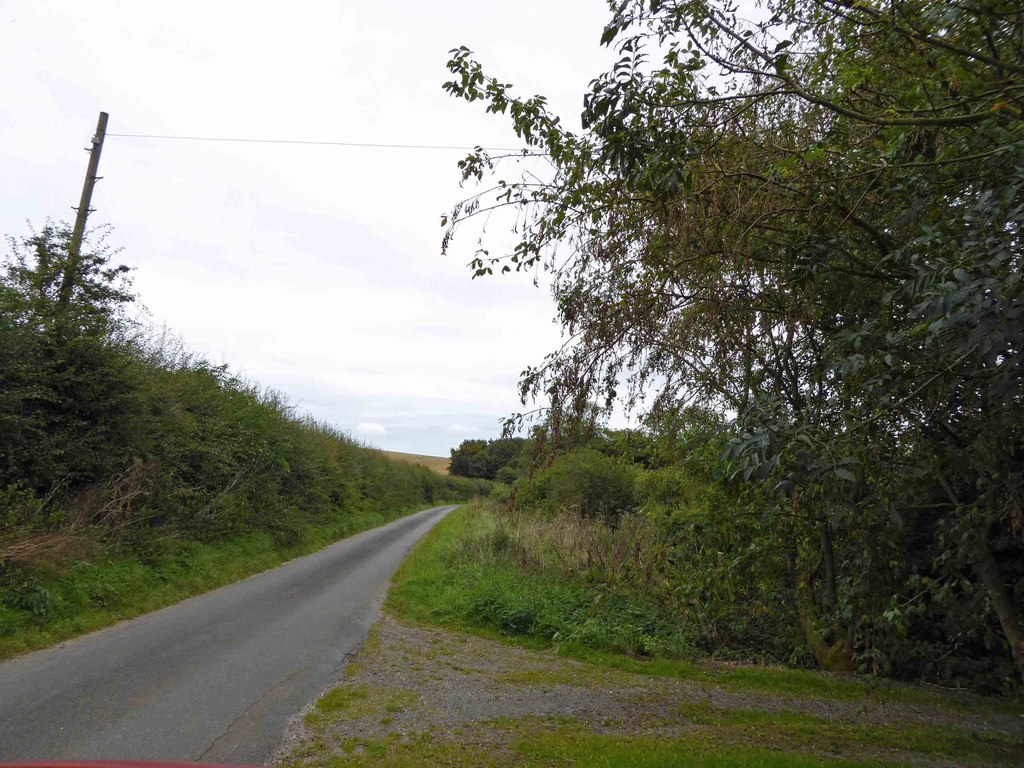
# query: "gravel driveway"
{"type": "Point", "coordinates": [413, 686]}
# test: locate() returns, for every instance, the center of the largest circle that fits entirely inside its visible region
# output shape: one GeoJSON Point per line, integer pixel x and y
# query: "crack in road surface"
{"type": "Point", "coordinates": [232, 725]}
{"type": "Point", "coordinates": [216, 677]}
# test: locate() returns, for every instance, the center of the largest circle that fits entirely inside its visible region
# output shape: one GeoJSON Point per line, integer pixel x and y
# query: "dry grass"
{"type": "Point", "coordinates": [568, 543]}
{"type": "Point", "coordinates": [94, 513]}
{"type": "Point", "coordinates": [436, 463]}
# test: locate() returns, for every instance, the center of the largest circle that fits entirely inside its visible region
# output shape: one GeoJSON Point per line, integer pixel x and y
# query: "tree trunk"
{"type": "Point", "coordinates": [988, 569]}
{"type": "Point", "coordinates": [829, 563]}
{"type": "Point", "coordinates": [837, 657]}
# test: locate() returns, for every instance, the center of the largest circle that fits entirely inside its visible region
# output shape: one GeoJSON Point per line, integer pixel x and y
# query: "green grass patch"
{"type": "Point", "coordinates": [351, 702]}
{"type": "Point", "coordinates": [787, 730]}
{"type": "Point", "coordinates": [568, 747]}
{"type": "Point", "coordinates": [113, 585]}
{"type": "Point", "coordinates": [604, 751]}
{"type": "Point", "coordinates": [342, 699]}
{"type": "Point", "coordinates": [705, 714]}
{"type": "Point", "coordinates": [557, 743]}
{"type": "Point", "coordinates": [738, 738]}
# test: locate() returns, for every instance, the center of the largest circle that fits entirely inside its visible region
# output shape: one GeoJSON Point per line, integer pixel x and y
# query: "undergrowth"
{"type": "Point", "coordinates": [458, 577]}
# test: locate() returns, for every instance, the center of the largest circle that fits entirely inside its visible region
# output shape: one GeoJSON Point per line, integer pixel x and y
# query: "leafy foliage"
{"type": "Point", "coordinates": [63, 381]}
{"type": "Point", "coordinates": [585, 481]}
{"type": "Point", "coordinates": [811, 222]}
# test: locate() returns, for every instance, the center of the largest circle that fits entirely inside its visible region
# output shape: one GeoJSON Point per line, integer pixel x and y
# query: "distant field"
{"type": "Point", "coordinates": [436, 463]}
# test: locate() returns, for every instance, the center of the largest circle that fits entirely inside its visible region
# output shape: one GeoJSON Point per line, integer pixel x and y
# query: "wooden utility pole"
{"type": "Point", "coordinates": [67, 282]}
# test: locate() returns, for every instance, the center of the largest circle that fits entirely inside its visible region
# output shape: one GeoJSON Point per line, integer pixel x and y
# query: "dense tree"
{"type": "Point", "coordinates": [63, 385]}
{"type": "Point", "coordinates": [810, 221]}
{"type": "Point", "coordinates": [484, 458]}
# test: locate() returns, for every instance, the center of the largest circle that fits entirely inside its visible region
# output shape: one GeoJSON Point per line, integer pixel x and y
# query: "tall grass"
{"type": "Point", "coordinates": [552, 582]}
{"type": "Point", "coordinates": [650, 576]}
{"type": "Point", "coordinates": [632, 554]}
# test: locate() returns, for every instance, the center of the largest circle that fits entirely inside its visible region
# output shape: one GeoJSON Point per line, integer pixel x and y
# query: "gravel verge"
{"type": "Point", "coordinates": [410, 681]}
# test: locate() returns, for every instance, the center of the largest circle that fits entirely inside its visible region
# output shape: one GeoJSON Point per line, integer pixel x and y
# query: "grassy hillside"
{"type": "Point", "coordinates": [436, 463]}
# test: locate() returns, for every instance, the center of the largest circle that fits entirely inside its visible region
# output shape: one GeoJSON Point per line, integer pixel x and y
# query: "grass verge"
{"type": "Point", "coordinates": [115, 585]}
{"type": "Point", "coordinates": [700, 736]}
{"type": "Point", "coordinates": [550, 743]}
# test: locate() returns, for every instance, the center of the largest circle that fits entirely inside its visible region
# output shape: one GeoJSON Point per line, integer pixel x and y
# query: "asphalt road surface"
{"type": "Point", "coordinates": [214, 678]}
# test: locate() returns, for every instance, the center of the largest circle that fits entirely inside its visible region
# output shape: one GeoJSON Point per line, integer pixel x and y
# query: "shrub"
{"type": "Point", "coordinates": [583, 480]}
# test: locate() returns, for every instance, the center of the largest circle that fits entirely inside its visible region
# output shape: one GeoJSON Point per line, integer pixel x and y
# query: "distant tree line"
{"type": "Point", "coordinates": [485, 459]}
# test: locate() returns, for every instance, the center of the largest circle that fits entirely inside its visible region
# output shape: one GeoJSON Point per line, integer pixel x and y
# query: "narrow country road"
{"type": "Point", "coordinates": [216, 677]}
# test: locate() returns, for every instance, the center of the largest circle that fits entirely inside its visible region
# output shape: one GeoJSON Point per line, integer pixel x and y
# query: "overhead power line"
{"type": "Point", "coordinates": [360, 144]}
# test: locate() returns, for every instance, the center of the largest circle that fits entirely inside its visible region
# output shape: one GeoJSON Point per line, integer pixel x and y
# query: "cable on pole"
{"type": "Point", "coordinates": [357, 144]}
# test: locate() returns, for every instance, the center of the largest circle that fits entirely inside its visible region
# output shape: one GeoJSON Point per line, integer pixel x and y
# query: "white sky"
{"type": "Point", "coordinates": [313, 270]}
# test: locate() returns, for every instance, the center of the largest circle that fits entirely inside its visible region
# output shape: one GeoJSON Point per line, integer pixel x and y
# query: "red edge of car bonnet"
{"type": "Point", "coordinates": [117, 764]}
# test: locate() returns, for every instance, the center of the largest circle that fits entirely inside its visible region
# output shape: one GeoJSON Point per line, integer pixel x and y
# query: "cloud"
{"type": "Point", "coordinates": [370, 428]}
{"type": "Point", "coordinates": [270, 275]}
